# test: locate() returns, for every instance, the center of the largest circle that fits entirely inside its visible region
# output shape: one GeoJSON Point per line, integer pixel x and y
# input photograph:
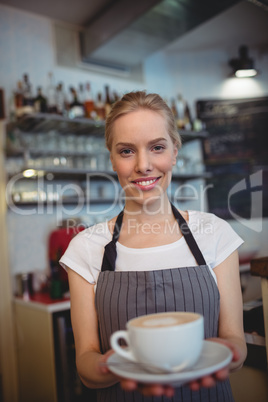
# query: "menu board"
{"type": "Point", "coordinates": [236, 148]}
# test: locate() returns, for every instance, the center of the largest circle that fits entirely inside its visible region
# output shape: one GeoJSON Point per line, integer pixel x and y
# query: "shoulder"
{"type": "Point", "coordinates": [98, 234]}
{"type": "Point", "coordinates": [206, 222]}
{"type": "Point", "coordinates": [215, 237]}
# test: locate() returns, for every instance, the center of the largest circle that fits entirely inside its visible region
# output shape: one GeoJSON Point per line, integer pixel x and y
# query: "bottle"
{"type": "Point", "coordinates": [100, 107]}
{"type": "Point", "coordinates": [27, 91]}
{"type": "Point", "coordinates": [19, 99]}
{"type": "Point", "coordinates": [116, 97]}
{"type": "Point", "coordinates": [174, 108]}
{"type": "Point", "coordinates": [89, 101]}
{"type": "Point", "coordinates": [81, 94]}
{"type": "Point", "coordinates": [40, 102]}
{"type": "Point", "coordinates": [56, 289]}
{"type": "Point", "coordinates": [61, 100]}
{"type": "Point", "coordinates": [12, 107]}
{"type": "Point", "coordinates": [108, 101]}
{"type": "Point", "coordinates": [187, 118]}
{"type": "Point", "coordinates": [51, 94]}
{"type": "Point", "coordinates": [76, 108]}
{"type": "Point", "coordinates": [180, 107]}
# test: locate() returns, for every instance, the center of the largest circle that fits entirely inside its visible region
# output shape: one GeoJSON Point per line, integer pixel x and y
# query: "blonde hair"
{"type": "Point", "coordinates": [133, 101]}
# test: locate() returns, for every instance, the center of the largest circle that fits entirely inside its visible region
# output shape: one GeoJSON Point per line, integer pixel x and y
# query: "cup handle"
{"type": "Point", "coordinates": [126, 353]}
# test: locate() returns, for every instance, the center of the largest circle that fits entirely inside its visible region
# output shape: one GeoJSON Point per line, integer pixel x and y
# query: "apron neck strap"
{"type": "Point", "coordinates": [110, 254]}
{"type": "Point", "coordinates": [109, 257]}
{"type": "Point", "coordinates": [188, 236]}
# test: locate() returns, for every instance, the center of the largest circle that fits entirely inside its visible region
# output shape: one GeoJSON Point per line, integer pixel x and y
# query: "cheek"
{"type": "Point", "coordinates": [121, 167]}
{"type": "Point", "coordinates": [167, 164]}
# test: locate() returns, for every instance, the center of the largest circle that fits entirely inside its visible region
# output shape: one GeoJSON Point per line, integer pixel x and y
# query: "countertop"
{"type": "Point", "coordinates": [43, 301]}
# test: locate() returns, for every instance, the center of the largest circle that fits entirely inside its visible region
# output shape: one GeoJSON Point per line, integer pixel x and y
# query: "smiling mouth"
{"type": "Point", "coordinates": [145, 182]}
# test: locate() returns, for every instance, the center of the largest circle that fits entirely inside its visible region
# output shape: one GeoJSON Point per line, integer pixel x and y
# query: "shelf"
{"type": "Point", "coordinates": [67, 173]}
{"type": "Point", "coordinates": [44, 122]}
{"type": "Point", "coordinates": [188, 136]}
{"type": "Point", "coordinates": [38, 139]}
{"type": "Point", "coordinates": [71, 201]}
{"type": "Point", "coordinates": [81, 174]}
{"type": "Point", "coordinates": [191, 176]}
{"type": "Point", "coordinates": [18, 152]}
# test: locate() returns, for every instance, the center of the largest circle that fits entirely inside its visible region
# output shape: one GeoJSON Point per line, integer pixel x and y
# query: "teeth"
{"type": "Point", "coordinates": [145, 183]}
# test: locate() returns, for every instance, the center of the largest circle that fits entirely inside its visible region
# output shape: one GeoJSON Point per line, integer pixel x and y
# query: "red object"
{"type": "Point", "coordinates": [58, 242]}
{"type": "Point", "coordinates": [45, 298]}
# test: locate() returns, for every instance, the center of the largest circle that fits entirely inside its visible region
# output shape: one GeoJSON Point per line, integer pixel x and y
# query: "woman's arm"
{"type": "Point", "coordinates": [86, 336]}
{"type": "Point", "coordinates": [231, 331]}
{"type": "Point", "coordinates": [231, 307]}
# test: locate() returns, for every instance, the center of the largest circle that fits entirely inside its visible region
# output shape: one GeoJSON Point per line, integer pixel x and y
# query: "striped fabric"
{"type": "Point", "coordinates": [121, 296]}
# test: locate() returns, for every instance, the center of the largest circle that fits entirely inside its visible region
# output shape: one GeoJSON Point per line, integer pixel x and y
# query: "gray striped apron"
{"type": "Point", "coordinates": [121, 296]}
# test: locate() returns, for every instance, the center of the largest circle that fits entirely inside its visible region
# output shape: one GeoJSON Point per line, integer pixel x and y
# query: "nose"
{"type": "Point", "coordinates": [143, 162]}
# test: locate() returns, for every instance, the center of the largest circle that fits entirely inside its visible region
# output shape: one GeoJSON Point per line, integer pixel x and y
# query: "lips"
{"type": "Point", "coordinates": [146, 183]}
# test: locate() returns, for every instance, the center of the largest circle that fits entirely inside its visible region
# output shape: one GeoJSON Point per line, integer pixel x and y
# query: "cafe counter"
{"type": "Point", "coordinates": [43, 347]}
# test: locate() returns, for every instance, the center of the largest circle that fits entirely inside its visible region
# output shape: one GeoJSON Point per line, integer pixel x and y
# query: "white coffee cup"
{"type": "Point", "coordinates": [170, 341]}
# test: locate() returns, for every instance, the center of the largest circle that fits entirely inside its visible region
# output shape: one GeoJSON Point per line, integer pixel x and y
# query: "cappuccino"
{"type": "Point", "coordinates": [163, 320]}
{"type": "Point", "coordinates": [163, 340]}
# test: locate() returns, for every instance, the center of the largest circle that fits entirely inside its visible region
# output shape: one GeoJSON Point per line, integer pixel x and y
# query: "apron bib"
{"type": "Point", "coordinates": [121, 296]}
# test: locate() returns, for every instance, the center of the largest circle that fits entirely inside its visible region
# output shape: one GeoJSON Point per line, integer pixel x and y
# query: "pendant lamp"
{"type": "Point", "coordinates": [243, 66]}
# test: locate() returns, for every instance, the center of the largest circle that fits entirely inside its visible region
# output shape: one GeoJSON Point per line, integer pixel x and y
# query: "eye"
{"type": "Point", "coordinates": [126, 152]}
{"type": "Point", "coordinates": [158, 148]}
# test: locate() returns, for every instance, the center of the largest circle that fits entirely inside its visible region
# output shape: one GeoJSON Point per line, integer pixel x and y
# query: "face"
{"type": "Point", "coordinates": [143, 155]}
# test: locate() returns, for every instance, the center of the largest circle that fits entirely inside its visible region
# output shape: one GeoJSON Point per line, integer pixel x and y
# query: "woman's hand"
{"type": "Point", "coordinates": [167, 390]}
{"type": "Point", "coordinates": [132, 385]}
{"type": "Point", "coordinates": [147, 389]}
{"type": "Point", "coordinates": [220, 375]}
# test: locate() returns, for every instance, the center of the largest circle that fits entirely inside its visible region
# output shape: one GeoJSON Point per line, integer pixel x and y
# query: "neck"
{"type": "Point", "coordinates": [151, 211]}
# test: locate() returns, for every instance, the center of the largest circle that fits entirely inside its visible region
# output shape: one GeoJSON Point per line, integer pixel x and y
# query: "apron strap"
{"type": "Point", "coordinates": [110, 254]}
{"type": "Point", "coordinates": [188, 236]}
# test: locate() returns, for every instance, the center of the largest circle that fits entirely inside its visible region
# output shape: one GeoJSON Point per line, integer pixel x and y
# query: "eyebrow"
{"type": "Point", "coordinates": [129, 144]}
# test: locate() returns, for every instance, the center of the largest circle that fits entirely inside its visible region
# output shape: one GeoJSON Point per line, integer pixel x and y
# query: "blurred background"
{"type": "Point", "coordinates": [63, 64]}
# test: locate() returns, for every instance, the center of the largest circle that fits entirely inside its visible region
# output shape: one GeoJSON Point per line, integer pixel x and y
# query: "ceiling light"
{"type": "Point", "coordinates": [243, 67]}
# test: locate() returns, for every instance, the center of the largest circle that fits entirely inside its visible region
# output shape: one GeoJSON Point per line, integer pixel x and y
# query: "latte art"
{"type": "Point", "coordinates": [163, 320]}
{"type": "Point", "coordinates": [161, 340]}
{"type": "Point", "coordinates": [160, 322]}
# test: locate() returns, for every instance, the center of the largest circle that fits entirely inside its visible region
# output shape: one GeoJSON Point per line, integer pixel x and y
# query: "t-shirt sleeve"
{"type": "Point", "coordinates": [226, 241]}
{"type": "Point", "coordinates": [78, 258]}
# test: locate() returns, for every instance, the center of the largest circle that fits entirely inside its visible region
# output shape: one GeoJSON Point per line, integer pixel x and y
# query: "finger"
{"type": "Point", "coordinates": [128, 385]}
{"type": "Point", "coordinates": [207, 382]}
{"type": "Point", "coordinates": [194, 385]}
{"type": "Point", "coordinates": [149, 390]}
{"type": "Point", "coordinates": [230, 345]}
{"type": "Point", "coordinates": [169, 391]}
{"type": "Point", "coordinates": [222, 374]}
{"type": "Point", "coordinates": [103, 362]}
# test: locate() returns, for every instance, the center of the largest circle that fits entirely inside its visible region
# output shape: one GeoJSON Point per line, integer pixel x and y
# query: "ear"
{"type": "Point", "coordinates": [175, 154]}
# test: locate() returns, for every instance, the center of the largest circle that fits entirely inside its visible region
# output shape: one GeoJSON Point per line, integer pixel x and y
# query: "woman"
{"type": "Point", "coordinates": [150, 246]}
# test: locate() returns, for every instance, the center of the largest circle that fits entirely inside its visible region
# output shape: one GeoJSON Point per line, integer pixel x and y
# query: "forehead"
{"type": "Point", "coordinates": [140, 121]}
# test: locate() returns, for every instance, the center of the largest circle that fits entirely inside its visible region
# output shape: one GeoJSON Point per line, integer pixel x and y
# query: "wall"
{"type": "Point", "coordinates": [28, 45]}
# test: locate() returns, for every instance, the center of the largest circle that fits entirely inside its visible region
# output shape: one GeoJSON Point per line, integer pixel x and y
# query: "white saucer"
{"type": "Point", "coordinates": [214, 356]}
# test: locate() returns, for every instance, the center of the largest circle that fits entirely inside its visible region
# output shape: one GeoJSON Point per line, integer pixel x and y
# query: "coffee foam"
{"type": "Point", "coordinates": [160, 322]}
{"type": "Point", "coordinates": [163, 320]}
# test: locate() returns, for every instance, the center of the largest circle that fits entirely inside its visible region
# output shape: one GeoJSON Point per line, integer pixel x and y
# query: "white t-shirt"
{"type": "Point", "coordinates": [215, 238]}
